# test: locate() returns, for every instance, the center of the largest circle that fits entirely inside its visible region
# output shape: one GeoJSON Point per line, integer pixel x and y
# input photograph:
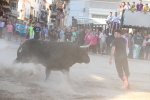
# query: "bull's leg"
{"type": "Point", "coordinates": [48, 72]}
{"type": "Point", "coordinates": [66, 72]}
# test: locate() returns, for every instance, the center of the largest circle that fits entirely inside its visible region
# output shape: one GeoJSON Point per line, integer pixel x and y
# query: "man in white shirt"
{"type": "Point", "coordinates": [103, 44]}
{"type": "Point", "coordinates": [115, 21]}
{"type": "Point", "coordinates": [127, 6]}
{"type": "Point", "coordinates": [109, 22]}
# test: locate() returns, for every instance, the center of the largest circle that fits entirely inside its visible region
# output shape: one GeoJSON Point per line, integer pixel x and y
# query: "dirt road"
{"type": "Point", "coordinates": [94, 81]}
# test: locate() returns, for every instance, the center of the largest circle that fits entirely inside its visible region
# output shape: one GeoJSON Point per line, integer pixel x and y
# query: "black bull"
{"type": "Point", "coordinates": [52, 55]}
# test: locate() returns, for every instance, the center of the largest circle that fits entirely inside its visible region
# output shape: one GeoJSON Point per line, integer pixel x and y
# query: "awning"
{"type": "Point", "coordinates": [6, 8]}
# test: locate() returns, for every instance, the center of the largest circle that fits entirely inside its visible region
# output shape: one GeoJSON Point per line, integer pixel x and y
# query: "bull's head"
{"type": "Point", "coordinates": [23, 55]}
{"type": "Point", "coordinates": [83, 55]}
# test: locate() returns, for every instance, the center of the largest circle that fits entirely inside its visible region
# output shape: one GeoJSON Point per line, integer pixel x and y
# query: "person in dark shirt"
{"type": "Point", "coordinates": [68, 34]}
{"type": "Point", "coordinates": [137, 42]}
{"type": "Point", "coordinates": [119, 48]}
{"type": "Point", "coordinates": [37, 31]}
{"type": "Point", "coordinates": [54, 36]}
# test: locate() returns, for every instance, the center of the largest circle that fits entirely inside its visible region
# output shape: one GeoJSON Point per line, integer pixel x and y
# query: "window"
{"type": "Point", "coordinates": [14, 6]}
{"type": "Point", "coordinates": [99, 16]}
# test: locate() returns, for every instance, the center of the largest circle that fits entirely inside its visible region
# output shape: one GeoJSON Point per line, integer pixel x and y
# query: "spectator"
{"type": "Point", "coordinates": [22, 29]}
{"type": "Point", "coordinates": [115, 21]}
{"type": "Point", "coordinates": [46, 32]}
{"type": "Point", "coordinates": [139, 6]}
{"type": "Point", "coordinates": [103, 44]}
{"type": "Point", "coordinates": [43, 32]}
{"type": "Point", "coordinates": [144, 46]}
{"type": "Point", "coordinates": [74, 22]}
{"type": "Point", "coordinates": [137, 42]}
{"type": "Point", "coordinates": [17, 25]}
{"type": "Point", "coordinates": [125, 36]}
{"type": "Point", "coordinates": [133, 7]}
{"type": "Point", "coordinates": [88, 37]}
{"type": "Point", "coordinates": [81, 36]}
{"type": "Point", "coordinates": [121, 8]}
{"type": "Point", "coordinates": [9, 29]}
{"type": "Point", "coordinates": [5, 19]}
{"type": "Point", "coordinates": [2, 24]}
{"type": "Point", "coordinates": [145, 8]}
{"type": "Point", "coordinates": [130, 43]}
{"type": "Point", "coordinates": [127, 6]}
{"type": "Point", "coordinates": [31, 31]}
{"type": "Point", "coordinates": [94, 40]}
{"type": "Point", "coordinates": [148, 47]}
{"type": "Point", "coordinates": [109, 22]}
{"type": "Point", "coordinates": [54, 36]}
{"type": "Point", "coordinates": [62, 34]}
{"type": "Point", "coordinates": [37, 31]}
{"type": "Point", "coordinates": [1, 12]}
{"type": "Point", "coordinates": [74, 35]}
{"type": "Point", "coordinates": [68, 34]}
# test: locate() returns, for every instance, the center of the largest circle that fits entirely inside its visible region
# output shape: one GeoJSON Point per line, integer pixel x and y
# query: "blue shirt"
{"type": "Point", "coordinates": [17, 27]}
{"type": "Point", "coordinates": [36, 29]}
{"type": "Point", "coordinates": [23, 29]}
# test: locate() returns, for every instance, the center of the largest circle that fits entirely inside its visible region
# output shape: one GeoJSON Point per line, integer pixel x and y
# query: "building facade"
{"type": "Point", "coordinates": [5, 7]}
{"type": "Point", "coordinates": [89, 11]}
{"type": "Point", "coordinates": [14, 14]}
{"type": "Point", "coordinates": [32, 11]}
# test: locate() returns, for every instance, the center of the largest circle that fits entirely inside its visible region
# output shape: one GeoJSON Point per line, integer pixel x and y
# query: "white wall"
{"type": "Point", "coordinates": [36, 7]}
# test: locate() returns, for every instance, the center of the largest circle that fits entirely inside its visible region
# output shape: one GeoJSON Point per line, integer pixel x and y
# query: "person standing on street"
{"type": "Point", "coordinates": [9, 29]}
{"type": "Point", "coordinates": [137, 42]}
{"type": "Point", "coordinates": [2, 24]}
{"type": "Point", "coordinates": [22, 29]}
{"type": "Point", "coordinates": [37, 31]}
{"type": "Point", "coordinates": [31, 32]}
{"type": "Point", "coordinates": [119, 48]}
{"type": "Point", "coordinates": [103, 44]}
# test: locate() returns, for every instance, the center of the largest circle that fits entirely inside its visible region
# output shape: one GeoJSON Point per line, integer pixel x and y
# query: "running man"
{"type": "Point", "coordinates": [119, 48]}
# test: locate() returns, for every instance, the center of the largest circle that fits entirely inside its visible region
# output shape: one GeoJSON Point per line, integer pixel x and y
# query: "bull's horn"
{"type": "Point", "coordinates": [85, 46]}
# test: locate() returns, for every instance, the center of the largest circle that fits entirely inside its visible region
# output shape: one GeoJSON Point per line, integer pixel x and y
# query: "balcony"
{"type": "Point", "coordinates": [53, 20]}
{"type": "Point", "coordinates": [53, 14]}
{"type": "Point", "coordinates": [13, 12]}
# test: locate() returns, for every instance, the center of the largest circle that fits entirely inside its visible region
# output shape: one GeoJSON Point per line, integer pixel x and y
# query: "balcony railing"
{"type": "Point", "coordinates": [13, 12]}
{"type": "Point", "coordinates": [53, 14]}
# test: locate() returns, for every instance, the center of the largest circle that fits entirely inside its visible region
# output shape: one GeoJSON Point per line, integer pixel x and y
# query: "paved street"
{"type": "Point", "coordinates": [94, 81]}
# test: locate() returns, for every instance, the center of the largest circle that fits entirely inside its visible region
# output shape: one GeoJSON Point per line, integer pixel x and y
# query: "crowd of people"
{"type": "Point", "coordinates": [138, 42]}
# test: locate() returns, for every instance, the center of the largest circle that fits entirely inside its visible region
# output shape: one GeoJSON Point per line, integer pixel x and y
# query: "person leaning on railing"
{"type": "Point", "coordinates": [145, 8]}
{"type": "Point", "coordinates": [133, 7]}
